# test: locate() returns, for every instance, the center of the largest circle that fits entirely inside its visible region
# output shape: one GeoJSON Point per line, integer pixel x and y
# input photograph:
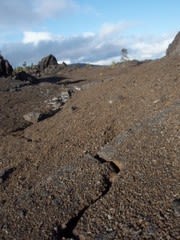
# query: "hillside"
{"type": "Point", "coordinates": [92, 152]}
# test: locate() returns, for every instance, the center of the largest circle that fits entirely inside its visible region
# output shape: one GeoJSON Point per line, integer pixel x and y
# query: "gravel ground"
{"type": "Point", "coordinates": [104, 166]}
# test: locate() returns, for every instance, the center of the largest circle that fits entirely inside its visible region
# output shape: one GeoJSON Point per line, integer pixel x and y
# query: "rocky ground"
{"type": "Point", "coordinates": [90, 152]}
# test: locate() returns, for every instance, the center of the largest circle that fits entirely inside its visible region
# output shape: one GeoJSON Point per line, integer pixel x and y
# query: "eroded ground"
{"type": "Point", "coordinates": [104, 166]}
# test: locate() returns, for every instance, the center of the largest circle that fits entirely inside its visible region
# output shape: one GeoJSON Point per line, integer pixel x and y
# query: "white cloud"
{"type": "Point", "coordinates": [27, 13]}
{"type": "Point", "coordinates": [87, 47]}
{"type": "Point", "coordinates": [52, 8]}
{"type": "Point", "coordinates": [88, 34]}
{"type": "Point", "coordinates": [152, 48]}
{"type": "Point", "coordinates": [107, 61]}
{"type": "Point", "coordinates": [36, 37]}
{"type": "Point", "coordinates": [67, 61]}
{"type": "Point", "coordinates": [109, 29]}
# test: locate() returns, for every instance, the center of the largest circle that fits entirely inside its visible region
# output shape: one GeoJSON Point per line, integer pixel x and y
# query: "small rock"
{"type": "Point", "coordinates": [63, 226]}
{"type": "Point", "coordinates": [54, 99]}
{"type": "Point", "coordinates": [56, 202]}
{"type": "Point", "coordinates": [77, 88]}
{"type": "Point", "coordinates": [74, 108]}
{"type": "Point", "coordinates": [32, 117]}
{"type": "Point", "coordinates": [109, 217]}
{"type": "Point", "coordinates": [156, 101]}
{"type": "Point", "coordinates": [5, 228]}
{"type": "Point", "coordinates": [55, 104]}
{"type": "Point", "coordinates": [16, 89]}
{"type": "Point", "coordinates": [22, 212]}
{"type": "Point", "coordinates": [176, 207]}
{"type": "Point", "coordinates": [64, 96]}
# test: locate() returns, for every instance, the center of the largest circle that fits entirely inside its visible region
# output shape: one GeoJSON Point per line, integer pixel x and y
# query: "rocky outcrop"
{"type": "Point", "coordinates": [55, 103]}
{"type": "Point", "coordinates": [53, 106]}
{"type": "Point", "coordinates": [5, 67]}
{"type": "Point", "coordinates": [45, 62]}
{"type": "Point", "coordinates": [174, 47]}
{"type": "Point", "coordinates": [26, 77]}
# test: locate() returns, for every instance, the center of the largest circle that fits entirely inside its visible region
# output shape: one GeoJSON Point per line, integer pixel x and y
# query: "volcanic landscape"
{"type": "Point", "coordinates": [91, 152]}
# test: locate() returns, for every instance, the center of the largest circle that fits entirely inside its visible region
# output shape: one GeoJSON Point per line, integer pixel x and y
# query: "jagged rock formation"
{"type": "Point", "coordinates": [174, 47]}
{"type": "Point", "coordinates": [45, 62]}
{"type": "Point", "coordinates": [5, 67]}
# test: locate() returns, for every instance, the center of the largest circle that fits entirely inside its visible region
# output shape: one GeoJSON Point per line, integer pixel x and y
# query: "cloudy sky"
{"type": "Point", "coordinates": [86, 31]}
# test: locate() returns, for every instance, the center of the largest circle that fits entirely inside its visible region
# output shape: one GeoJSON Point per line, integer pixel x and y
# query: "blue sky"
{"type": "Point", "coordinates": [86, 31]}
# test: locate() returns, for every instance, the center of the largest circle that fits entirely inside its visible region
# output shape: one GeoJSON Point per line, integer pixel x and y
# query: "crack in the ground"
{"type": "Point", "coordinates": [20, 129]}
{"type": "Point", "coordinates": [113, 164]}
{"type": "Point", "coordinates": [68, 231]}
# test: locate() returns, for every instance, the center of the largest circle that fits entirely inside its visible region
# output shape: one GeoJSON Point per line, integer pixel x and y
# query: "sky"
{"type": "Point", "coordinates": [86, 31]}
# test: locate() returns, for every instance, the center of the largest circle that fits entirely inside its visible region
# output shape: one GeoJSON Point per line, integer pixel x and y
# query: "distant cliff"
{"type": "Point", "coordinates": [174, 47]}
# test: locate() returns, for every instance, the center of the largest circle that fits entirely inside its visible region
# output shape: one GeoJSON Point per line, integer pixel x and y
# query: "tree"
{"type": "Point", "coordinates": [24, 64]}
{"type": "Point", "coordinates": [124, 54]}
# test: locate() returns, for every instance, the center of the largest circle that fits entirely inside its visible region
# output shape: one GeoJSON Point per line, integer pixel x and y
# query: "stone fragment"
{"type": "Point", "coordinates": [32, 117]}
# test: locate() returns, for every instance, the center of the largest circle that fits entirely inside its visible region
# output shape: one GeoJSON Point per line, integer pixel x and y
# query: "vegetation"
{"type": "Point", "coordinates": [24, 67]}
{"type": "Point", "coordinates": [124, 55]}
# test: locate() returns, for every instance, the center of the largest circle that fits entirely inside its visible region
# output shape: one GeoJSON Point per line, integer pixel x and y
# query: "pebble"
{"type": "Point", "coordinates": [176, 207]}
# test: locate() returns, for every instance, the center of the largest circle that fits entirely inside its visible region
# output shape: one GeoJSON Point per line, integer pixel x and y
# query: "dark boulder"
{"type": "Point", "coordinates": [26, 77]}
{"type": "Point", "coordinates": [46, 62]}
{"type": "Point", "coordinates": [5, 67]}
{"type": "Point", "coordinates": [174, 47]}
